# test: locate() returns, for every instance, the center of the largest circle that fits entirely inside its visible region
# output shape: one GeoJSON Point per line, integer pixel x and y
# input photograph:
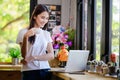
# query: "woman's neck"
{"type": "Point", "coordinates": [36, 25]}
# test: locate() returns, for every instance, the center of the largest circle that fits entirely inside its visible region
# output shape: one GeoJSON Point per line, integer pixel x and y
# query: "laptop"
{"type": "Point", "coordinates": [77, 60]}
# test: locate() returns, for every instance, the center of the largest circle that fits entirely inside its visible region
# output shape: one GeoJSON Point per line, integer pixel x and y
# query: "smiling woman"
{"type": "Point", "coordinates": [36, 47]}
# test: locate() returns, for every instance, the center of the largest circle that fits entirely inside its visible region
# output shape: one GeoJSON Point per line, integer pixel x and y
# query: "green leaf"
{"type": "Point", "coordinates": [15, 52]}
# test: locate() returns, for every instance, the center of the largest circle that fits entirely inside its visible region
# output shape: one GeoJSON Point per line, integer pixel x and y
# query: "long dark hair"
{"type": "Point", "coordinates": [37, 10]}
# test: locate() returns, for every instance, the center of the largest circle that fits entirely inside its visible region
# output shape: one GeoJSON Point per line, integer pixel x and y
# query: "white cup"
{"type": "Point", "coordinates": [36, 30]}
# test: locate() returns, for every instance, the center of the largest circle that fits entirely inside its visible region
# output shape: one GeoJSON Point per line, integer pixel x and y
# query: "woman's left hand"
{"type": "Point", "coordinates": [30, 58]}
{"type": "Point", "coordinates": [23, 61]}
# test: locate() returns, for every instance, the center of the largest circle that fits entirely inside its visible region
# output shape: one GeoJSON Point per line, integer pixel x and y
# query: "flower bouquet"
{"type": "Point", "coordinates": [60, 36]}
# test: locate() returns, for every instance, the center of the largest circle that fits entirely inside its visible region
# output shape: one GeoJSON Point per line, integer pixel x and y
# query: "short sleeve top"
{"type": "Point", "coordinates": [38, 48]}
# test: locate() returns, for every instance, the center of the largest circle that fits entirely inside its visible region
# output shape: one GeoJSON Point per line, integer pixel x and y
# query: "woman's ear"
{"type": "Point", "coordinates": [34, 17]}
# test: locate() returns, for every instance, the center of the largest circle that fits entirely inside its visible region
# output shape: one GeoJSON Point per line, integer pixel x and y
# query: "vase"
{"type": "Point", "coordinates": [56, 52]}
{"type": "Point", "coordinates": [15, 61]}
{"type": "Point", "coordinates": [62, 64]}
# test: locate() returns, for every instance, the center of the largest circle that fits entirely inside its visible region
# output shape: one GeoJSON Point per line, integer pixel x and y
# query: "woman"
{"type": "Point", "coordinates": [36, 46]}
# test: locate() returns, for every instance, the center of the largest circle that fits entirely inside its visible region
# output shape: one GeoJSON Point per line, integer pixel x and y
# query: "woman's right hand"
{"type": "Point", "coordinates": [29, 33]}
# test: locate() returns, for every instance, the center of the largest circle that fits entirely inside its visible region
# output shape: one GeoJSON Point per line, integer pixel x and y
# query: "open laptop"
{"type": "Point", "coordinates": [77, 60]}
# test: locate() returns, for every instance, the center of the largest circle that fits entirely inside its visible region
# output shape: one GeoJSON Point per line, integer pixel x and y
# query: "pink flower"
{"type": "Point", "coordinates": [66, 36]}
{"type": "Point", "coordinates": [60, 37]}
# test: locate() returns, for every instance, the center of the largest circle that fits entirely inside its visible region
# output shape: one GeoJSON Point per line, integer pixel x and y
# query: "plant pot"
{"type": "Point", "coordinates": [93, 68]}
{"type": "Point", "coordinates": [112, 70]}
{"type": "Point", "coordinates": [104, 70]}
{"type": "Point", "coordinates": [98, 69]}
{"type": "Point", "coordinates": [87, 67]}
{"type": "Point", "coordinates": [118, 74]}
{"type": "Point", "coordinates": [15, 61]}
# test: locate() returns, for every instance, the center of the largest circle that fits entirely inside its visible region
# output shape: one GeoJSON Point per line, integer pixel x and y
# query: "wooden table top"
{"type": "Point", "coordinates": [87, 76]}
{"type": "Point", "coordinates": [65, 76]}
{"type": "Point", "coordinates": [10, 67]}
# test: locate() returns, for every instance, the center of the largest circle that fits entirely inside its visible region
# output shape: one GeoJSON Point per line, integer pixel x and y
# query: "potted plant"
{"type": "Point", "coordinates": [118, 74]}
{"type": "Point", "coordinates": [112, 68]}
{"type": "Point", "coordinates": [15, 53]}
{"type": "Point", "coordinates": [88, 65]}
{"type": "Point", "coordinates": [104, 69]}
{"type": "Point", "coordinates": [112, 64]}
{"type": "Point", "coordinates": [93, 65]}
{"type": "Point", "coordinates": [99, 66]}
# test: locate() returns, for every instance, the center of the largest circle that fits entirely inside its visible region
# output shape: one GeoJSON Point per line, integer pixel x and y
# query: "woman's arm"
{"type": "Point", "coordinates": [48, 56]}
{"type": "Point", "coordinates": [24, 50]}
{"type": "Point", "coordinates": [24, 44]}
{"type": "Point", "coordinates": [44, 57]}
{"type": "Point", "coordinates": [24, 47]}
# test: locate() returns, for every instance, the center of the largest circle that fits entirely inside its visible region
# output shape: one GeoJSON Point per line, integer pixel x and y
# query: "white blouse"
{"type": "Point", "coordinates": [38, 48]}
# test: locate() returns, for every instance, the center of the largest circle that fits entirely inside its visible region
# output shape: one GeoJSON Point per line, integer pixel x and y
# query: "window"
{"type": "Point", "coordinates": [115, 27]}
{"type": "Point", "coordinates": [98, 27]}
{"type": "Point", "coordinates": [14, 16]}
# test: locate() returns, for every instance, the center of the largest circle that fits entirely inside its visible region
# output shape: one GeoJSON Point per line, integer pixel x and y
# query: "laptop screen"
{"type": "Point", "coordinates": [77, 60]}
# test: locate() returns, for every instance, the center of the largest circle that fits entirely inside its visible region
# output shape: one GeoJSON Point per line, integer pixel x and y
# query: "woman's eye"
{"type": "Point", "coordinates": [43, 17]}
{"type": "Point", "coordinates": [47, 18]}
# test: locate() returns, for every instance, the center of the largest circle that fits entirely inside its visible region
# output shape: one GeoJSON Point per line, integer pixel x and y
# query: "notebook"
{"type": "Point", "coordinates": [77, 60]}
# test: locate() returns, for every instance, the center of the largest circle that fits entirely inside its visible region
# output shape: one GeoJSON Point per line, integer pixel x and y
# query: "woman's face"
{"type": "Point", "coordinates": [41, 19]}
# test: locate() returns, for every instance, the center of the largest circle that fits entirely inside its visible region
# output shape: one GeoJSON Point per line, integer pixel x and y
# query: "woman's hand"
{"type": "Point", "coordinates": [23, 61]}
{"type": "Point", "coordinates": [29, 33]}
{"type": "Point", "coordinates": [32, 32]}
{"type": "Point", "coordinates": [31, 58]}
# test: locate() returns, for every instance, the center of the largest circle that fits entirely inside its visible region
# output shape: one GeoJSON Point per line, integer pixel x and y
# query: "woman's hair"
{"type": "Point", "coordinates": [37, 10]}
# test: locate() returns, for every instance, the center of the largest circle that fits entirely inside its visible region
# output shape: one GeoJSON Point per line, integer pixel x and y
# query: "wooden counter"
{"type": "Point", "coordinates": [10, 72]}
{"type": "Point", "coordinates": [13, 72]}
{"type": "Point", "coordinates": [86, 76]}
{"type": "Point", "coordinates": [10, 67]}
